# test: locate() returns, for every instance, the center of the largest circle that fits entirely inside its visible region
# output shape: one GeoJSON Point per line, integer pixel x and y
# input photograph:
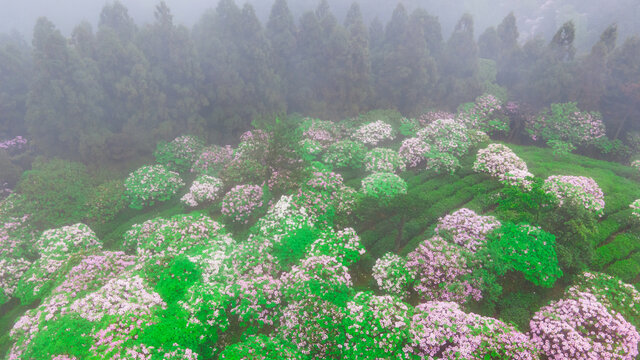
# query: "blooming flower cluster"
{"type": "Point", "coordinates": [583, 328]}
{"type": "Point", "coordinates": [500, 162]}
{"type": "Point", "coordinates": [576, 190]}
{"type": "Point", "coordinates": [412, 151]}
{"type": "Point", "coordinates": [256, 301]}
{"type": "Point", "coordinates": [393, 275]}
{"type": "Point", "coordinates": [11, 270]}
{"type": "Point", "coordinates": [253, 143]}
{"type": "Point", "coordinates": [149, 184]}
{"type": "Point", "coordinates": [321, 132]}
{"type": "Point", "coordinates": [16, 234]}
{"type": "Point", "coordinates": [65, 240]}
{"type": "Point", "coordinates": [442, 272]}
{"type": "Point", "coordinates": [567, 123]}
{"type": "Point", "coordinates": [241, 201]}
{"type": "Point", "coordinates": [204, 189]}
{"type": "Point", "coordinates": [16, 143]}
{"type": "Point", "coordinates": [383, 186]}
{"type": "Point", "coordinates": [345, 154]}
{"type": "Point", "coordinates": [446, 136]}
{"type": "Point", "coordinates": [315, 277]}
{"type": "Point", "coordinates": [485, 114]}
{"type": "Point", "coordinates": [179, 154]}
{"type": "Point", "coordinates": [431, 116]}
{"type": "Point", "coordinates": [635, 208]}
{"type": "Point", "coordinates": [383, 160]}
{"type": "Point", "coordinates": [378, 327]}
{"type": "Point", "coordinates": [344, 245]}
{"type": "Point", "coordinates": [440, 330]}
{"type": "Point", "coordinates": [466, 228]}
{"type": "Point", "coordinates": [212, 159]}
{"type": "Point", "coordinates": [374, 133]}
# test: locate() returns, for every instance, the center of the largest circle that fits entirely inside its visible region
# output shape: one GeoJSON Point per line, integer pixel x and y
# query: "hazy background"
{"type": "Point", "coordinates": [535, 17]}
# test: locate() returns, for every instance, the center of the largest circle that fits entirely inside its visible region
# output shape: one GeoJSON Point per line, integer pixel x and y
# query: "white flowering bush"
{"type": "Point", "coordinates": [67, 239]}
{"type": "Point", "coordinates": [412, 151]}
{"type": "Point", "coordinates": [383, 160]}
{"type": "Point", "coordinates": [502, 163]}
{"type": "Point", "coordinates": [374, 133]}
{"type": "Point", "coordinates": [204, 189]}
{"type": "Point", "coordinates": [383, 186]}
{"type": "Point", "coordinates": [446, 136]}
{"type": "Point", "coordinates": [577, 191]}
{"type": "Point", "coordinates": [393, 275]}
{"type": "Point", "coordinates": [149, 184]}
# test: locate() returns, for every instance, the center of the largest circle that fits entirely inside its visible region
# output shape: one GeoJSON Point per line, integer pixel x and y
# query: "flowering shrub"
{"type": "Point", "coordinates": [267, 347]}
{"type": "Point", "coordinates": [377, 327]}
{"type": "Point", "coordinates": [16, 143]}
{"type": "Point", "coordinates": [105, 202]}
{"type": "Point", "coordinates": [212, 159]}
{"type": "Point", "coordinates": [635, 208]}
{"type": "Point", "coordinates": [17, 235]}
{"type": "Point", "coordinates": [486, 114]}
{"type": "Point", "coordinates": [576, 191]}
{"type": "Point", "coordinates": [374, 133]}
{"type": "Point", "coordinates": [441, 330]}
{"type": "Point", "coordinates": [440, 162]}
{"type": "Point", "coordinates": [345, 154]}
{"type": "Point", "coordinates": [412, 151]}
{"type": "Point", "coordinates": [321, 132]}
{"type": "Point", "coordinates": [344, 245]}
{"type": "Point", "coordinates": [443, 272]}
{"type": "Point", "coordinates": [393, 275]}
{"type": "Point", "coordinates": [431, 116]}
{"type": "Point", "coordinates": [11, 270]}
{"type": "Point", "coordinates": [446, 136]}
{"type": "Point", "coordinates": [204, 189]}
{"type": "Point", "coordinates": [315, 276]}
{"type": "Point", "coordinates": [56, 243]}
{"type": "Point", "coordinates": [466, 228]}
{"type": "Point", "coordinates": [636, 164]}
{"type": "Point", "coordinates": [583, 328]}
{"type": "Point", "coordinates": [241, 201]}
{"type": "Point", "coordinates": [256, 301]}
{"type": "Point", "coordinates": [500, 162]}
{"type": "Point", "coordinates": [149, 184]}
{"type": "Point", "coordinates": [254, 144]}
{"type": "Point", "coordinates": [180, 154]}
{"type": "Point", "coordinates": [205, 306]}
{"type": "Point", "coordinates": [383, 186]}
{"type": "Point", "coordinates": [526, 249]}
{"type": "Point", "coordinates": [383, 160]}
{"type": "Point", "coordinates": [567, 123]}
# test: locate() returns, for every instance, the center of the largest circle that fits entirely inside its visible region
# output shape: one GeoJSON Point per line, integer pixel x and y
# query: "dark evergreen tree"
{"type": "Point", "coordinates": [281, 32]}
{"type": "Point", "coordinates": [358, 65]}
{"type": "Point", "coordinates": [562, 43]}
{"type": "Point", "coordinates": [489, 44]}
{"type": "Point", "coordinates": [16, 70]}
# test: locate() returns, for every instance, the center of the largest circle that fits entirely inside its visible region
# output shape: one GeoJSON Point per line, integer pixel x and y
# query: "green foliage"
{"type": "Point", "coordinates": [627, 269]}
{"type": "Point", "coordinates": [105, 202]}
{"type": "Point", "coordinates": [560, 148]}
{"type": "Point", "coordinates": [177, 278]}
{"type": "Point", "coordinates": [57, 192]}
{"type": "Point", "coordinates": [345, 154]}
{"type": "Point", "coordinates": [526, 249]}
{"type": "Point", "coordinates": [70, 335]}
{"type": "Point", "coordinates": [618, 249]}
{"type": "Point", "coordinates": [262, 347]}
{"type": "Point", "coordinates": [292, 247]}
{"type": "Point", "coordinates": [383, 186]}
{"type": "Point", "coordinates": [525, 205]}
{"type": "Point", "coordinates": [149, 184]}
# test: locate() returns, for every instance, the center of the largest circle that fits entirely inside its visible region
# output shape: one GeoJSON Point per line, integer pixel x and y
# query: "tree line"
{"type": "Point", "coordinates": [112, 92]}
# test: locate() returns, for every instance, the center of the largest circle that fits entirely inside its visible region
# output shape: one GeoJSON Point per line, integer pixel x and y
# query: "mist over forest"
{"type": "Point", "coordinates": [320, 179]}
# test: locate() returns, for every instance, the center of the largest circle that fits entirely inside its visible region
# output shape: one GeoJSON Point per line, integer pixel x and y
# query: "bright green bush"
{"type": "Point", "coordinates": [70, 335]}
{"type": "Point", "coordinates": [149, 184]}
{"type": "Point", "coordinates": [180, 154]}
{"type": "Point", "coordinates": [262, 347]}
{"type": "Point", "coordinates": [105, 202]}
{"type": "Point", "coordinates": [621, 246]}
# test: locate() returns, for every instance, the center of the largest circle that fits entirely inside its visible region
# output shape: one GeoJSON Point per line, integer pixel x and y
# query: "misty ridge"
{"type": "Point", "coordinates": [89, 93]}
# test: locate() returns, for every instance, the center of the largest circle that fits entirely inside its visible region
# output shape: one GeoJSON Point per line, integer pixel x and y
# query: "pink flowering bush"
{"type": "Point", "coordinates": [583, 328]}
{"type": "Point", "coordinates": [241, 202]}
{"type": "Point", "coordinates": [256, 301]}
{"type": "Point", "coordinates": [376, 327]}
{"type": "Point", "coordinates": [204, 189]}
{"type": "Point", "coordinates": [344, 245]}
{"type": "Point", "coordinates": [321, 132]}
{"type": "Point", "coordinates": [67, 239]}
{"type": "Point", "coordinates": [180, 154]}
{"type": "Point", "coordinates": [383, 186]}
{"type": "Point", "coordinates": [443, 272]}
{"type": "Point", "coordinates": [412, 152]}
{"type": "Point", "coordinates": [441, 330]}
{"type": "Point", "coordinates": [16, 143]}
{"type": "Point", "coordinates": [17, 234]}
{"type": "Point", "coordinates": [212, 160]}
{"type": "Point", "coordinates": [374, 133]}
{"type": "Point", "coordinates": [383, 160]}
{"type": "Point", "coordinates": [11, 270]}
{"type": "Point", "coordinates": [466, 228]}
{"type": "Point", "coordinates": [149, 184]}
{"type": "Point", "coordinates": [431, 116]}
{"type": "Point", "coordinates": [635, 208]}
{"type": "Point", "coordinates": [567, 123]}
{"type": "Point", "coordinates": [485, 114]}
{"type": "Point", "coordinates": [205, 306]}
{"type": "Point", "coordinates": [578, 191]}
{"type": "Point", "coordinates": [446, 136]}
{"type": "Point", "coordinates": [345, 154]}
{"type": "Point", "coordinates": [315, 276]}
{"type": "Point", "coordinates": [500, 162]}
{"type": "Point", "coordinates": [253, 144]}
{"type": "Point", "coordinates": [393, 275]}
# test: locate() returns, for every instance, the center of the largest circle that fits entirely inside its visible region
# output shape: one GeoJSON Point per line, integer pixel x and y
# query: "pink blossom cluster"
{"type": "Point", "coordinates": [16, 143]}
{"type": "Point", "coordinates": [313, 326]}
{"type": "Point", "coordinates": [501, 162]}
{"type": "Point", "coordinates": [431, 116]}
{"type": "Point", "coordinates": [378, 326]}
{"type": "Point", "coordinates": [282, 218]}
{"type": "Point", "coordinates": [442, 272]}
{"type": "Point", "coordinates": [256, 301]}
{"type": "Point", "coordinates": [441, 162]}
{"type": "Point", "coordinates": [205, 305]}
{"type": "Point", "coordinates": [441, 330]}
{"type": "Point", "coordinates": [466, 228]}
{"type": "Point", "coordinates": [316, 203]}
{"type": "Point", "coordinates": [484, 109]}
{"type": "Point", "coordinates": [635, 208]}
{"type": "Point", "coordinates": [344, 154]}
{"type": "Point", "coordinates": [583, 328]}
{"type": "Point", "coordinates": [412, 151]}
{"type": "Point", "coordinates": [11, 270]}
{"type": "Point", "coordinates": [181, 152]}
{"type": "Point", "coordinates": [567, 123]}
{"type": "Point", "coordinates": [446, 136]}
{"type": "Point", "coordinates": [241, 201]}
{"type": "Point", "coordinates": [393, 275]}
{"type": "Point", "coordinates": [383, 160]}
{"type": "Point", "coordinates": [67, 239]}
{"type": "Point", "coordinates": [204, 189]}
{"type": "Point", "coordinates": [320, 131]}
{"type": "Point", "coordinates": [14, 231]}
{"type": "Point", "coordinates": [328, 181]}
{"type": "Point", "coordinates": [119, 296]}
{"type": "Point", "coordinates": [253, 259]}
{"type": "Point", "coordinates": [321, 269]}
{"type": "Point", "coordinates": [374, 133]}
{"type": "Point", "coordinates": [212, 159]}
{"type": "Point", "coordinates": [579, 190]}
{"type": "Point", "coordinates": [344, 245]}
{"type": "Point", "coordinates": [636, 164]}
{"type": "Point", "coordinates": [253, 143]}
{"type": "Point", "coordinates": [110, 340]}
{"type": "Point", "coordinates": [151, 183]}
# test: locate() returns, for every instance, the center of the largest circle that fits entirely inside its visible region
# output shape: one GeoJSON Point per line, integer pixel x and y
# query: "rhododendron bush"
{"type": "Point", "coordinates": [241, 201]}
{"type": "Point", "coordinates": [383, 160]}
{"type": "Point", "coordinates": [212, 160]}
{"type": "Point", "coordinates": [485, 114]}
{"type": "Point", "coordinates": [566, 122]}
{"type": "Point", "coordinates": [383, 186]}
{"type": "Point", "coordinates": [576, 191]}
{"type": "Point", "coordinates": [393, 275]}
{"type": "Point", "coordinates": [635, 208]}
{"type": "Point", "coordinates": [204, 189]}
{"type": "Point", "coordinates": [500, 162]}
{"type": "Point", "coordinates": [179, 154]}
{"type": "Point", "coordinates": [374, 133]}
{"type": "Point", "coordinates": [149, 184]}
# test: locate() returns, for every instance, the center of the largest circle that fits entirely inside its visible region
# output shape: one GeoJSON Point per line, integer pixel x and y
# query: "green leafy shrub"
{"type": "Point", "coordinates": [621, 246]}
{"type": "Point", "coordinates": [383, 186]}
{"type": "Point", "coordinates": [149, 184]}
{"type": "Point", "coordinates": [345, 154]}
{"type": "Point", "coordinates": [180, 154]}
{"type": "Point", "coordinates": [177, 278]}
{"type": "Point", "coordinates": [262, 347]}
{"type": "Point", "coordinates": [105, 202]}
{"type": "Point", "coordinates": [627, 270]}
{"type": "Point", "coordinates": [57, 191]}
{"type": "Point", "coordinates": [70, 335]}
